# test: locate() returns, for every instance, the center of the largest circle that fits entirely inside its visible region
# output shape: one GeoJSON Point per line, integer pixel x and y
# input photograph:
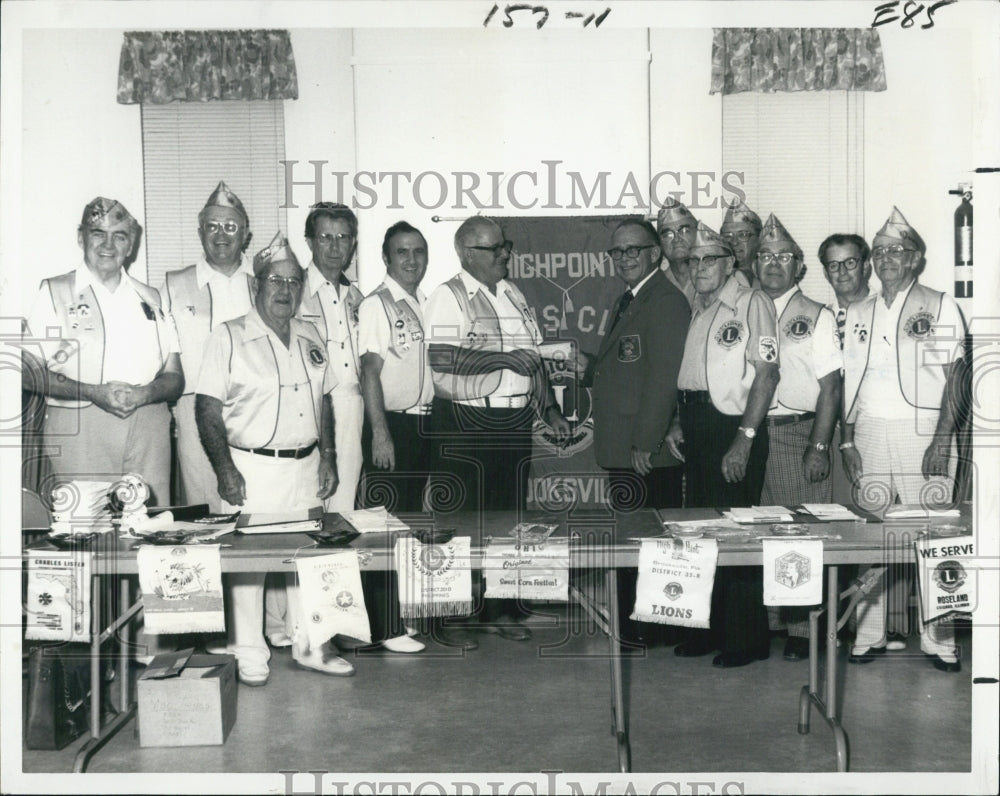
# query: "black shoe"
{"type": "Point", "coordinates": [512, 632]}
{"type": "Point", "coordinates": [731, 660]}
{"type": "Point", "coordinates": [796, 649]}
{"type": "Point", "coordinates": [455, 637]}
{"type": "Point", "coordinates": [944, 666]}
{"type": "Point", "coordinates": [867, 656]}
{"type": "Point", "coordinates": [694, 649]}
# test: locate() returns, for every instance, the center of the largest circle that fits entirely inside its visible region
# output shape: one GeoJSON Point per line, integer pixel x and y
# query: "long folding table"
{"type": "Point", "coordinates": [600, 544]}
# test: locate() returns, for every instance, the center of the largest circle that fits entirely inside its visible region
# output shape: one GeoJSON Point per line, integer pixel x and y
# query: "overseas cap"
{"type": "Point", "coordinates": [277, 251]}
{"type": "Point", "coordinates": [223, 197]}
{"type": "Point", "coordinates": [706, 237]}
{"type": "Point", "coordinates": [672, 211]}
{"type": "Point", "coordinates": [739, 213]}
{"type": "Point", "coordinates": [774, 232]}
{"type": "Point", "coordinates": [106, 211]}
{"type": "Point", "coordinates": [897, 229]}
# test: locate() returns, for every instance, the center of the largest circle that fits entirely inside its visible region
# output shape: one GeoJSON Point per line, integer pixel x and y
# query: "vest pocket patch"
{"type": "Point", "coordinates": [629, 348]}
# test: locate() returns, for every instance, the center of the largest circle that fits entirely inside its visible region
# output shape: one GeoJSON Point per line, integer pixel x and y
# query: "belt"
{"type": "Point", "coordinates": [497, 402]}
{"type": "Point", "coordinates": [784, 420]}
{"type": "Point", "coordinates": [281, 453]}
{"type": "Point", "coordinates": [420, 409]}
{"type": "Point", "coordinates": [694, 397]}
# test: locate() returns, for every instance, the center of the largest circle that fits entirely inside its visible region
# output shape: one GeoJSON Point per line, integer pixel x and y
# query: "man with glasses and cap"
{"type": "Point", "coordinates": [490, 384]}
{"type": "Point", "coordinates": [808, 397]}
{"type": "Point", "coordinates": [741, 229]}
{"type": "Point", "coordinates": [201, 297]}
{"type": "Point", "coordinates": [111, 361]}
{"type": "Point", "coordinates": [903, 365]}
{"type": "Point", "coordinates": [725, 386]}
{"type": "Point", "coordinates": [676, 228]}
{"type": "Point", "coordinates": [266, 422]}
{"type": "Point", "coordinates": [635, 389]}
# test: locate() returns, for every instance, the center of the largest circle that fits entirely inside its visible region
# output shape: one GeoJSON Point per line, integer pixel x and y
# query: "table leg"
{"type": "Point", "coordinates": [620, 728]}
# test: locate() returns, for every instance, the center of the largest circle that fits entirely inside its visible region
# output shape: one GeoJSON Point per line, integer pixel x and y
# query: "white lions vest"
{"type": "Point", "coordinates": [407, 357]}
{"type": "Point", "coordinates": [730, 374]}
{"type": "Point", "coordinates": [922, 372]}
{"type": "Point", "coordinates": [81, 356]}
{"type": "Point", "coordinates": [251, 409]}
{"type": "Point", "coordinates": [311, 309]}
{"type": "Point", "coordinates": [193, 314]}
{"type": "Point", "coordinates": [798, 388]}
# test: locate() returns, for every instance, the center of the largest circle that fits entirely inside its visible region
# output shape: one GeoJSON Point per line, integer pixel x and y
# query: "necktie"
{"type": "Point", "coordinates": [841, 323]}
{"type": "Point", "coordinates": [623, 303]}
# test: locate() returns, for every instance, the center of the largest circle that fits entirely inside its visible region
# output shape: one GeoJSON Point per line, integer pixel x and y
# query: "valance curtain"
{"type": "Point", "coordinates": [796, 59]}
{"type": "Point", "coordinates": [202, 65]}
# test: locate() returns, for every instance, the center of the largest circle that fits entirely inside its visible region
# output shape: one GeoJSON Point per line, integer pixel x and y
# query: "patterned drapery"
{"type": "Point", "coordinates": [202, 65]}
{"type": "Point", "coordinates": [796, 59]}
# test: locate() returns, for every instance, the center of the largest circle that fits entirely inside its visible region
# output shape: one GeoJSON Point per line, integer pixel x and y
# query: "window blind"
{"type": "Point", "coordinates": [187, 148]}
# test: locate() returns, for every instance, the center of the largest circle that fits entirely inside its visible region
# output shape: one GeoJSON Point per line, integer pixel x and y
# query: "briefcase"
{"type": "Point", "coordinates": [58, 695]}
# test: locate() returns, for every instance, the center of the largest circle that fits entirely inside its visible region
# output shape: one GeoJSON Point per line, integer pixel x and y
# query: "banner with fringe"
{"type": "Point", "coordinates": [434, 579]}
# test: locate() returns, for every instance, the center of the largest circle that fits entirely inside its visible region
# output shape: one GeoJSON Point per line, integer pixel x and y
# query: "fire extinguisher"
{"type": "Point", "coordinates": [963, 241]}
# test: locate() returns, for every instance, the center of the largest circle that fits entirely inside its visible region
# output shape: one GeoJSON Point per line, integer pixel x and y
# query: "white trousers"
{"type": "Point", "coordinates": [272, 486]}
{"type": "Point", "coordinates": [892, 454]}
{"type": "Point", "coordinates": [197, 476]}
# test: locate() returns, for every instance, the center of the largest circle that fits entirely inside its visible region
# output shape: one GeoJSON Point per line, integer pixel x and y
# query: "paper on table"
{"type": "Point", "coordinates": [288, 522]}
{"type": "Point", "coordinates": [759, 514]}
{"type": "Point", "coordinates": [907, 512]}
{"type": "Point", "coordinates": [374, 520]}
{"type": "Point", "coordinates": [830, 511]}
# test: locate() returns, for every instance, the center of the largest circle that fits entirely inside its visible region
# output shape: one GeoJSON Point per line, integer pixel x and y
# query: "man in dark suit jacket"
{"type": "Point", "coordinates": [635, 389]}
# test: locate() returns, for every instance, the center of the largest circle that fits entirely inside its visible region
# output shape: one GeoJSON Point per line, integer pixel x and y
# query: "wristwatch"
{"type": "Point", "coordinates": [821, 446]}
{"type": "Point", "coordinates": [845, 445]}
{"type": "Point", "coordinates": [748, 432]}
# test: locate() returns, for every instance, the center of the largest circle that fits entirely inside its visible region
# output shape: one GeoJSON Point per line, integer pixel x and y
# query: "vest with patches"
{"type": "Point", "coordinates": [311, 309]}
{"type": "Point", "coordinates": [406, 357]}
{"type": "Point", "coordinates": [730, 373]}
{"type": "Point", "coordinates": [251, 408]}
{"type": "Point", "coordinates": [923, 370]}
{"type": "Point", "coordinates": [193, 314]}
{"type": "Point", "coordinates": [81, 357]}
{"type": "Point", "coordinates": [798, 389]}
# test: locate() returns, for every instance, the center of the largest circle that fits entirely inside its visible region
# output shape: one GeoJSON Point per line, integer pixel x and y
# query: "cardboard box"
{"type": "Point", "coordinates": [187, 700]}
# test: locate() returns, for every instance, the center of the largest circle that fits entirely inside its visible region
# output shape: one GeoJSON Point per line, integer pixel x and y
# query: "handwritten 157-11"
{"type": "Point", "coordinates": [534, 11]}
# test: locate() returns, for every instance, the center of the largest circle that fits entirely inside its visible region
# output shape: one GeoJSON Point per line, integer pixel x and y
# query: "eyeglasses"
{"type": "Point", "coordinates": [629, 251]}
{"type": "Point", "coordinates": [784, 258]}
{"type": "Point", "coordinates": [276, 282]}
{"type": "Point", "coordinates": [743, 234]}
{"type": "Point", "coordinates": [326, 239]}
{"type": "Point", "coordinates": [685, 231]}
{"type": "Point", "coordinates": [709, 261]}
{"type": "Point", "coordinates": [895, 251]}
{"type": "Point", "coordinates": [505, 247]}
{"type": "Point", "coordinates": [835, 266]}
{"type": "Point", "coordinates": [228, 227]}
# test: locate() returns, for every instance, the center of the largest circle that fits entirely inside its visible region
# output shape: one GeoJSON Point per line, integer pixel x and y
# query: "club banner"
{"type": "Point", "coordinates": [519, 570]}
{"type": "Point", "coordinates": [331, 598]}
{"type": "Point", "coordinates": [559, 265]}
{"type": "Point", "coordinates": [434, 579]}
{"type": "Point", "coordinates": [793, 571]}
{"type": "Point", "coordinates": [57, 604]}
{"type": "Point", "coordinates": [947, 575]}
{"type": "Point", "coordinates": [675, 581]}
{"type": "Point", "coordinates": [181, 588]}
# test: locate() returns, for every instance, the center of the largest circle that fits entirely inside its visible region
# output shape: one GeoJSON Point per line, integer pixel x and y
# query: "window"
{"type": "Point", "coordinates": [802, 158]}
{"type": "Point", "coordinates": [187, 148]}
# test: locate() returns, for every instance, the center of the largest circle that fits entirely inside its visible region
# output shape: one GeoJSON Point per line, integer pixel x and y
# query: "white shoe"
{"type": "Point", "coordinates": [252, 674]}
{"type": "Point", "coordinates": [411, 631]}
{"type": "Point", "coordinates": [320, 661]}
{"type": "Point", "coordinates": [144, 660]}
{"type": "Point", "coordinates": [280, 639]}
{"type": "Point", "coordinates": [403, 644]}
{"type": "Point", "coordinates": [218, 648]}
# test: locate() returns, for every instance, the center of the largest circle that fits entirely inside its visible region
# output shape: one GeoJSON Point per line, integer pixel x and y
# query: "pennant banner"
{"type": "Point", "coordinates": [793, 571]}
{"type": "Point", "coordinates": [948, 575]}
{"type": "Point", "coordinates": [332, 599]}
{"type": "Point", "coordinates": [520, 570]}
{"type": "Point", "coordinates": [560, 266]}
{"type": "Point", "coordinates": [181, 588]}
{"type": "Point", "coordinates": [434, 579]}
{"type": "Point", "coordinates": [57, 605]}
{"type": "Point", "coordinates": [675, 581]}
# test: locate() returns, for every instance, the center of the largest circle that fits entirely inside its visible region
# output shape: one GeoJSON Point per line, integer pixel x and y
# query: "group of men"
{"type": "Point", "coordinates": [287, 385]}
{"type": "Point", "coordinates": [719, 373]}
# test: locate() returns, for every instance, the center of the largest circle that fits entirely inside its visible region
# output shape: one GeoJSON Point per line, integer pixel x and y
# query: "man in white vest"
{"type": "Point", "coordinates": [111, 361]}
{"type": "Point", "coordinates": [903, 365]}
{"type": "Point", "coordinates": [725, 386]}
{"type": "Point", "coordinates": [808, 397]}
{"type": "Point", "coordinates": [741, 229]}
{"type": "Point", "coordinates": [490, 385]}
{"type": "Point", "coordinates": [266, 423]}
{"type": "Point", "coordinates": [201, 297]}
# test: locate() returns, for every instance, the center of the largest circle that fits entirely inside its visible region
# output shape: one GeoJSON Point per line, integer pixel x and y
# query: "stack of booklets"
{"type": "Point", "coordinates": [756, 514]}
{"type": "Point", "coordinates": [831, 512]}
{"type": "Point", "coordinates": [915, 512]}
{"type": "Point", "coordinates": [286, 522]}
{"type": "Point", "coordinates": [80, 508]}
{"type": "Point", "coordinates": [376, 520]}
